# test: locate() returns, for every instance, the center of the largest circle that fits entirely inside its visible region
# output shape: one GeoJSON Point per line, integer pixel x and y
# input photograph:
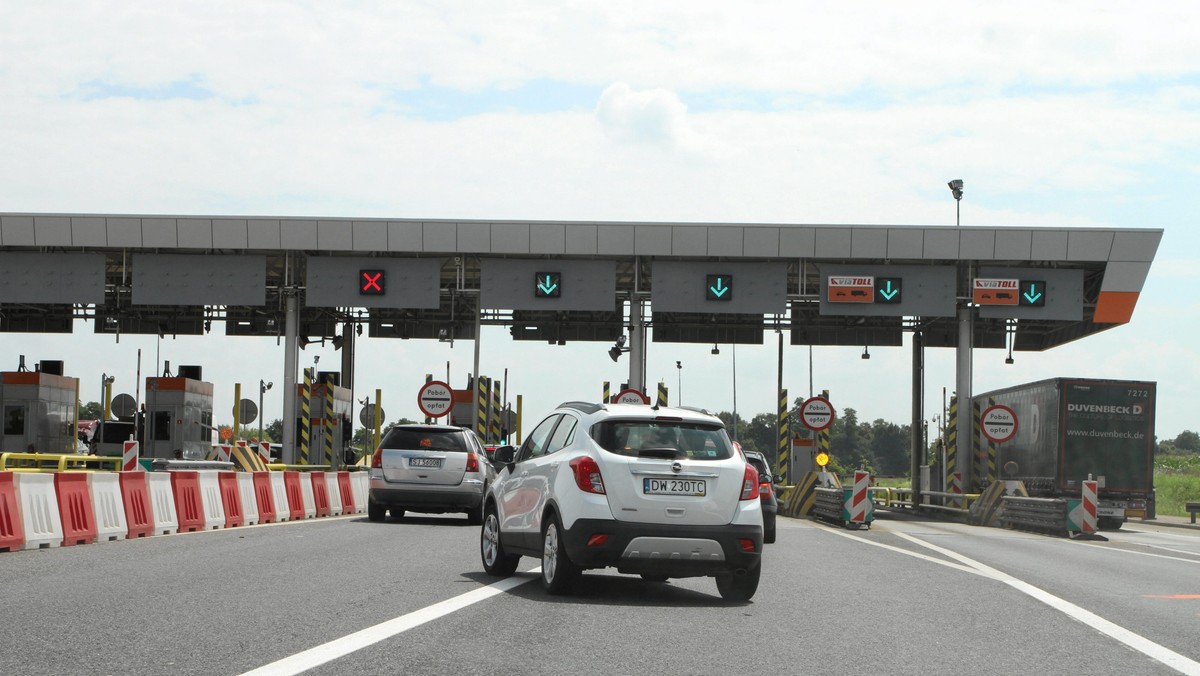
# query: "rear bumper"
{"type": "Point", "coordinates": [664, 549]}
{"type": "Point", "coordinates": [418, 498]}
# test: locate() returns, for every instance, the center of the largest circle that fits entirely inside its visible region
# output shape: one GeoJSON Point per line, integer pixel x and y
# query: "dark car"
{"type": "Point", "coordinates": [766, 493]}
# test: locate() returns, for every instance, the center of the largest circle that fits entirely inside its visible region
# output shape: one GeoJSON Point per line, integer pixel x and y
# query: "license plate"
{"type": "Point", "coordinates": [1118, 512]}
{"type": "Point", "coordinates": [696, 487]}
{"type": "Point", "coordinates": [435, 463]}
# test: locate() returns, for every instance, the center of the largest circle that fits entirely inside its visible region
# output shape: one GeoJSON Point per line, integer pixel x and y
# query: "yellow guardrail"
{"type": "Point", "coordinates": [57, 462]}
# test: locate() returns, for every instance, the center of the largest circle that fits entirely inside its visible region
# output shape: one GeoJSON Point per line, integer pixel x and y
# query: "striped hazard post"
{"type": "Point", "coordinates": [224, 452]}
{"type": "Point", "coordinates": [1082, 514]}
{"type": "Point", "coordinates": [129, 457]}
{"type": "Point", "coordinates": [990, 473]}
{"type": "Point", "coordinates": [607, 392]}
{"type": "Point", "coordinates": [858, 509]}
{"type": "Point", "coordinates": [327, 419]}
{"type": "Point", "coordinates": [305, 413]}
{"type": "Point", "coordinates": [823, 445]}
{"type": "Point", "coordinates": [264, 452]}
{"type": "Point", "coordinates": [783, 453]}
{"type": "Point", "coordinates": [428, 379]}
{"type": "Point", "coordinates": [956, 487]}
{"type": "Point", "coordinates": [979, 463]}
{"type": "Point", "coordinates": [481, 399]}
{"type": "Point", "coordinates": [662, 394]}
{"type": "Point", "coordinates": [494, 413]}
{"type": "Point", "coordinates": [951, 444]}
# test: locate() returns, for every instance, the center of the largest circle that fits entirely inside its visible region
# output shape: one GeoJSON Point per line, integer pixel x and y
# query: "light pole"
{"type": "Point", "coordinates": [956, 188]}
{"type": "Point", "coordinates": [679, 384]}
{"type": "Point", "coordinates": [263, 386]}
{"type": "Point", "coordinates": [106, 382]}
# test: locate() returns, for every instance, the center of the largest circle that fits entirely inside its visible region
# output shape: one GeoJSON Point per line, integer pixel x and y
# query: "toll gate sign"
{"type": "Point", "coordinates": [435, 399]}
{"type": "Point", "coordinates": [850, 289]}
{"type": "Point", "coordinates": [370, 282]}
{"type": "Point", "coordinates": [816, 413]}
{"type": "Point", "coordinates": [998, 423]}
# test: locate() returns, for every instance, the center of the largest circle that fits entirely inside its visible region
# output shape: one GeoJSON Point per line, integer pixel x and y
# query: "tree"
{"type": "Point", "coordinates": [274, 431]}
{"type": "Point", "coordinates": [1188, 441]}
{"type": "Point", "coordinates": [91, 411]}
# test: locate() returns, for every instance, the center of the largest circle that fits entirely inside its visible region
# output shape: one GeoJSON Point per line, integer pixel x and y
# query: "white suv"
{"type": "Point", "coordinates": [659, 492]}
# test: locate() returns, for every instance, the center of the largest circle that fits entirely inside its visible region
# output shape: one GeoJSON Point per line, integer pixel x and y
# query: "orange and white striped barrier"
{"type": "Point", "coordinates": [12, 532]}
{"type": "Point", "coordinates": [189, 506]}
{"type": "Point", "coordinates": [135, 495]}
{"type": "Point", "coordinates": [956, 487]}
{"type": "Point", "coordinates": [860, 502]}
{"type": "Point", "coordinates": [109, 506]}
{"type": "Point", "coordinates": [75, 507]}
{"type": "Point", "coordinates": [231, 499]}
{"type": "Point", "coordinates": [346, 491]}
{"type": "Point", "coordinates": [264, 452]}
{"type": "Point", "coordinates": [333, 493]}
{"type": "Point", "coordinates": [1083, 516]}
{"type": "Point", "coordinates": [38, 503]}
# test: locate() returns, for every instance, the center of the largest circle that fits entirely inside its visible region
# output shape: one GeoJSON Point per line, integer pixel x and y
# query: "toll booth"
{"type": "Point", "coordinates": [330, 429]}
{"type": "Point", "coordinates": [179, 416]}
{"type": "Point", "coordinates": [40, 410]}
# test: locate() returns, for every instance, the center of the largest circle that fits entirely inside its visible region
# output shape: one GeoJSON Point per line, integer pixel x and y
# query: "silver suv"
{"type": "Point", "coordinates": [428, 468]}
{"type": "Point", "coordinates": [658, 492]}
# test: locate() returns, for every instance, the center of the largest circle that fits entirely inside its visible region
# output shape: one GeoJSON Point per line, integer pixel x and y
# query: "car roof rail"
{"type": "Point", "coordinates": [697, 409]}
{"type": "Point", "coordinates": [583, 406]}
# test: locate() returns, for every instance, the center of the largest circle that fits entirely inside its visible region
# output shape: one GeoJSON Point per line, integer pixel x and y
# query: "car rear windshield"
{"type": "Point", "coordinates": [425, 440]}
{"type": "Point", "coordinates": [668, 439]}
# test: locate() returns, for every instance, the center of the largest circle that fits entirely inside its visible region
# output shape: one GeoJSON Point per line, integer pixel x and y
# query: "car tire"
{"type": "Point", "coordinates": [558, 571]}
{"type": "Point", "coordinates": [375, 511]}
{"type": "Point", "coordinates": [495, 561]}
{"type": "Point", "coordinates": [739, 587]}
{"type": "Point", "coordinates": [769, 533]}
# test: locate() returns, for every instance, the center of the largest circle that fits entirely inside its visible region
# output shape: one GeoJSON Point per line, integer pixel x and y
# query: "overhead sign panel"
{"type": "Point", "coordinates": [1030, 293]}
{"type": "Point", "coordinates": [361, 281]}
{"type": "Point", "coordinates": [51, 278]}
{"type": "Point", "coordinates": [535, 284]}
{"type": "Point", "coordinates": [193, 279]}
{"type": "Point", "coordinates": [888, 290]}
{"type": "Point", "coordinates": [722, 287]}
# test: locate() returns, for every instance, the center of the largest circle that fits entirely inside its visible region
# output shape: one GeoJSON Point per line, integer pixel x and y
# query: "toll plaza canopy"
{"type": "Point", "coordinates": [558, 281]}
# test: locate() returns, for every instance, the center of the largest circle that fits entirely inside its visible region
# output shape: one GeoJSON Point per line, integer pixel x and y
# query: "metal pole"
{"type": "Point", "coordinates": [291, 350]}
{"type": "Point", "coordinates": [733, 348]}
{"type": "Point", "coordinates": [965, 437]}
{"type": "Point", "coordinates": [918, 414]}
{"type": "Point", "coordinates": [475, 388]}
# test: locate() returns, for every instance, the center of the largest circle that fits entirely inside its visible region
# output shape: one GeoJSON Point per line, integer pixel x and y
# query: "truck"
{"type": "Point", "coordinates": [1069, 430]}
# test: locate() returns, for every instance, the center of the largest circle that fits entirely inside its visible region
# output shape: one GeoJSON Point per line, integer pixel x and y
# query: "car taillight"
{"type": "Point", "coordinates": [472, 462]}
{"type": "Point", "coordinates": [377, 459]}
{"type": "Point", "coordinates": [587, 475]}
{"type": "Point", "coordinates": [750, 483]}
{"type": "Point", "coordinates": [764, 491]}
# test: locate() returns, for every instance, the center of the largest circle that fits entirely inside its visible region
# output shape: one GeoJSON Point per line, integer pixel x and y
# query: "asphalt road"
{"type": "Point", "coordinates": [345, 596]}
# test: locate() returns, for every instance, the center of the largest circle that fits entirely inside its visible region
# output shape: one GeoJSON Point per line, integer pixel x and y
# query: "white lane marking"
{"type": "Point", "coordinates": [907, 552]}
{"type": "Point", "coordinates": [1157, 556]}
{"type": "Point", "coordinates": [339, 647]}
{"type": "Point", "coordinates": [1138, 642]}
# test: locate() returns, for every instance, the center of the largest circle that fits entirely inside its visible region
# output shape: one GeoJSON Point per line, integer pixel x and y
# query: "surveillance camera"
{"type": "Point", "coordinates": [620, 341]}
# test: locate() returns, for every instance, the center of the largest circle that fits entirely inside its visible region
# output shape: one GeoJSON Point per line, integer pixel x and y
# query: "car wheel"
{"type": "Point", "coordinates": [654, 578]}
{"type": "Point", "coordinates": [558, 571]}
{"type": "Point", "coordinates": [376, 512]}
{"type": "Point", "coordinates": [769, 532]}
{"type": "Point", "coordinates": [739, 587]}
{"type": "Point", "coordinates": [495, 561]}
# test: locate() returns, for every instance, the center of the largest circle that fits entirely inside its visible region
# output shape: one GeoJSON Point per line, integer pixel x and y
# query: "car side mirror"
{"type": "Point", "coordinates": [764, 478]}
{"type": "Point", "coordinates": [505, 455]}
{"type": "Point", "coordinates": [778, 478]}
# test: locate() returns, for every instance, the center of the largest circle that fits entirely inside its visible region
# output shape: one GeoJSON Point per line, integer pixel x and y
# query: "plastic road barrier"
{"type": "Point", "coordinates": [188, 505]}
{"type": "Point", "coordinates": [333, 493]}
{"type": "Point", "coordinates": [320, 492]}
{"type": "Point", "coordinates": [12, 534]}
{"type": "Point", "coordinates": [162, 502]}
{"type": "Point", "coordinates": [279, 496]}
{"type": "Point", "coordinates": [75, 507]}
{"type": "Point", "coordinates": [109, 506]}
{"type": "Point", "coordinates": [249, 500]}
{"type": "Point", "coordinates": [346, 492]}
{"type": "Point", "coordinates": [231, 499]}
{"type": "Point", "coordinates": [362, 488]}
{"type": "Point", "coordinates": [306, 491]}
{"type": "Point", "coordinates": [135, 495]}
{"type": "Point", "coordinates": [210, 499]}
{"type": "Point", "coordinates": [39, 510]}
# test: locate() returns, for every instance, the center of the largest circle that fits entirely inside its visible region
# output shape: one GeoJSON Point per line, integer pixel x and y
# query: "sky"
{"type": "Point", "coordinates": [1055, 114]}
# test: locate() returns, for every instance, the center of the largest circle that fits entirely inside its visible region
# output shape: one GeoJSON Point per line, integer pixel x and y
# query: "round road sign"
{"type": "Point", "coordinates": [435, 399]}
{"type": "Point", "coordinates": [123, 405]}
{"type": "Point", "coordinates": [632, 397]}
{"type": "Point", "coordinates": [998, 423]}
{"type": "Point", "coordinates": [367, 415]}
{"type": "Point", "coordinates": [248, 412]}
{"type": "Point", "coordinates": [816, 413]}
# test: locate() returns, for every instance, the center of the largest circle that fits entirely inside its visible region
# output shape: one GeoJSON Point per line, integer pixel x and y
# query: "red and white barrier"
{"type": "Point", "coordinates": [306, 492]}
{"type": "Point", "coordinates": [109, 506]}
{"type": "Point", "coordinates": [135, 495]}
{"type": "Point", "coordinates": [279, 496]}
{"type": "Point", "coordinates": [38, 503]}
{"type": "Point", "coordinates": [361, 481]}
{"type": "Point", "coordinates": [231, 499]}
{"type": "Point", "coordinates": [333, 491]}
{"type": "Point", "coordinates": [189, 505]}
{"type": "Point", "coordinates": [249, 501]}
{"type": "Point", "coordinates": [164, 517]}
{"type": "Point", "coordinates": [129, 457]}
{"type": "Point", "coordinates": [264, 452]}
{"type": "Point", "coordinates": [75, 507]}
{"type": "Point", "coordinates": [859, 501]}
{"type": "Point", "coordinates": [346, 491]}
{"type": "Point", "coordinates": [1088, 520]}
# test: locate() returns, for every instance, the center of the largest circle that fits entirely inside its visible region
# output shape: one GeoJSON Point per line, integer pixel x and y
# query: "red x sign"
{"type": "Point", "coordinates": [370, 282]}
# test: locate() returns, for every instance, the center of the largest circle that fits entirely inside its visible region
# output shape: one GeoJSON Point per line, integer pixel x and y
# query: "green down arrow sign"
{"type": "Point", "coordinates": [548, 285]}
{"type": "Point", "coordinates": [718, 287]}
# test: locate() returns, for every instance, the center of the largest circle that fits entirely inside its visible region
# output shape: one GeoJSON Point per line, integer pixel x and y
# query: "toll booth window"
{"type": "Point", "coordinates": [162, 425]}
{"type": "Point", "coordinates": [14, 420]}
